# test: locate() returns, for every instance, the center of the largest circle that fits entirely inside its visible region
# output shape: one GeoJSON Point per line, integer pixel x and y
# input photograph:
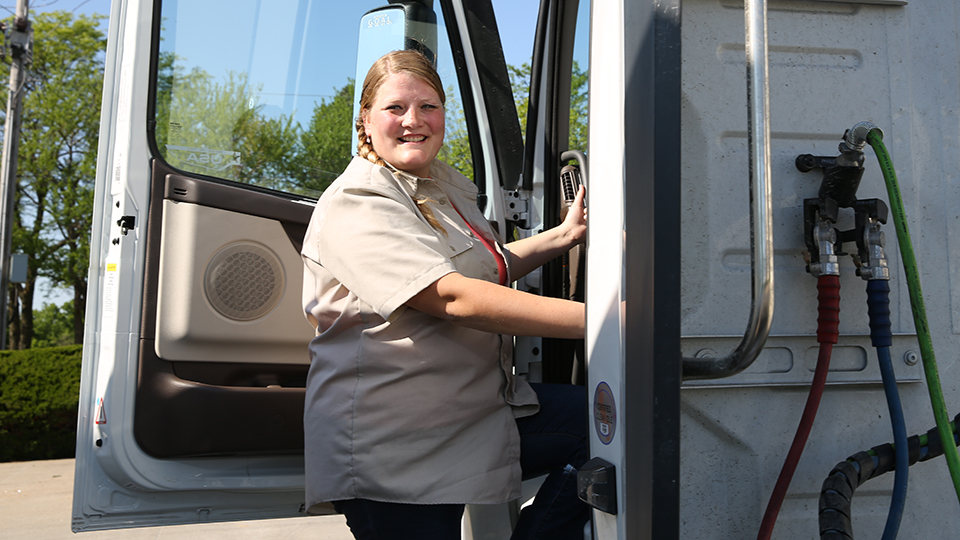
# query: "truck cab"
{"type": "Point", "coordinates": [223, 123]}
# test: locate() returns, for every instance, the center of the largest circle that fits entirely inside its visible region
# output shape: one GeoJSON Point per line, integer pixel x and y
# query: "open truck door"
{"type": "Point", "coordinates": [195, 354]}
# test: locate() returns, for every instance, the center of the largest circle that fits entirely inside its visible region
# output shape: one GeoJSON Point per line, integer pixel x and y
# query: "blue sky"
{"type": "Point", "coordinates": [516, 19]}
{"type": "Point", "coordinates": [76, 6]}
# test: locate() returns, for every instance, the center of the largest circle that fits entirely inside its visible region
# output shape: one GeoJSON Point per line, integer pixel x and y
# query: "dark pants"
{"type": "Point", "coordinates": [552, 442]}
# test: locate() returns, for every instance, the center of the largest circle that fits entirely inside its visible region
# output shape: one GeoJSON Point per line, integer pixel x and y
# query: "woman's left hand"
{"type": "Point", "coordinates": [575, 224]}
{"type": "Point", "coordinates": [534, 251]}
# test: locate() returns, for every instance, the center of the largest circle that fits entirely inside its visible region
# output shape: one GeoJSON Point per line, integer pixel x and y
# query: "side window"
{"type": "Point", "coordinates": [261, 93]}
{"type": "Point", "coordinates": [517, 22]}
{"type": "Point", "coordinates": [579, 80]}
{"type": "Point", "coordinates": [517, 44]}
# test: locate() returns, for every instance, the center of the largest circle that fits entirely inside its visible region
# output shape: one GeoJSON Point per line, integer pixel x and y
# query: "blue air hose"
{"type": "Point", "coordinates": [878, 307]}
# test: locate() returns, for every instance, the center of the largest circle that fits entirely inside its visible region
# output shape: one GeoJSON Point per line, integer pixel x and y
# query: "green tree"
{"type": "Point", "coordinates": [328, 142]}
{"type": "Point", "coordinates": [57, 163]}
{"type": "Point", "coordinates": [218, 128]}
{"type": "Point", "coordinates": [197, 119]}
{"type": "Point", "coordinates": [53, 325]}
{"type": "Point", "coordinates": [520, 83]}
{"type": "Point", "coordinates": [456, 141]}
{"type": "Point", "coordinates": [579, 91]}
{"type": "Point", "coordinates": [268, 150]}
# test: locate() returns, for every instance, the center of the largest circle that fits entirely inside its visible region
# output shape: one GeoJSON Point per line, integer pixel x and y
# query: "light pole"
{"type": "Point", "coordinates": [21, 52]}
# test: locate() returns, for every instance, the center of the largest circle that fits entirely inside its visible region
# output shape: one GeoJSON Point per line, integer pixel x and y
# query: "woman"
{"type": "Point", "coordinates": [412, 408]}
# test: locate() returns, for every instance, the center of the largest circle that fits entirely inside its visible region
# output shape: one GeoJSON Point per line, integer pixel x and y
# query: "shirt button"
{"type": "Point", "coordinates": [443, 201]}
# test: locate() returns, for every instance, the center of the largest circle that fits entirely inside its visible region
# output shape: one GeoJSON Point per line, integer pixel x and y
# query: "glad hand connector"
{"type": "Point", "coordinates": [838, 189]}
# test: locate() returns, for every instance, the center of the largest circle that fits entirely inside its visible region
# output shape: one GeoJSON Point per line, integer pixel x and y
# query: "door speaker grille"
{"type": "Point", "coordinates": [244, 281]}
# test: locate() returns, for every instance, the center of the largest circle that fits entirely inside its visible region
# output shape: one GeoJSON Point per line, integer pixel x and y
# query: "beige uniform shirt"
{"type": "Point", "coordinates": [402, 406]}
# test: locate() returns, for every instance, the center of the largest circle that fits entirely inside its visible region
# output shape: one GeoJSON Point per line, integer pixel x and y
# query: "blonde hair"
{"type": "Point", "coordinates": [405, 61]}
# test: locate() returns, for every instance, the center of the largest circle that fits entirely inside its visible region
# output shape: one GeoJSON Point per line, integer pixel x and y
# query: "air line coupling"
{"type": "Point", "coordinates": [838, 189]}
{"type": "Point", "coordinates": [826, 262]}
{"type": "Point", "coordinates": [871, 259]}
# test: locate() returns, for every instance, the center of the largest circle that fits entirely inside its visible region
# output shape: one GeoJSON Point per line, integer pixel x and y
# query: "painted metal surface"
{"type": "Point", "coordinates": [831, 66]}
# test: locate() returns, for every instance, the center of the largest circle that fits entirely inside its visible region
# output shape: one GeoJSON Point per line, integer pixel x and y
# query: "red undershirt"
{"type": "Point", "coordinates": [501, 264]}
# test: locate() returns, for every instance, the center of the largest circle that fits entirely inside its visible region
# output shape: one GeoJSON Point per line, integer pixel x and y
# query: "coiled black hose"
{"type": "Point", "coordinates": [836, 494]}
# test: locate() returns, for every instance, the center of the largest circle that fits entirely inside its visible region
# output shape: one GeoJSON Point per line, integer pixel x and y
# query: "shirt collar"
{"type": "Point", "coordinates": [411, 180]}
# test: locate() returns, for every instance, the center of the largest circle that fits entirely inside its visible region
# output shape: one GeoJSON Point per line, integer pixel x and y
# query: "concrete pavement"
{"type": "Point", "coordinates": [36, 503]}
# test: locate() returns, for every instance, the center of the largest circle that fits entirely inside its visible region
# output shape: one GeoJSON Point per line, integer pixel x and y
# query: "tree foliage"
{"type": "Point", "coordinates": [520, 83]}
{"type": "Point", "coordinates": [57, 163]}
{"type": "Point", "coordinates": [53, 325]}
{"type": "Point", "coordinates": [216, 128]}
{"type": "Point", "coordinates": [327, 143]}
{"type": "Point", "coordinates": [579, 90]}
{"type": "Point", "coordinates": [579, 86]}
{"type": "Point", "coordinates": [456, 141]}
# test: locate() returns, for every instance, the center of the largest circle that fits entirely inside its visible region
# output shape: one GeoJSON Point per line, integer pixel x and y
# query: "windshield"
{"type": "Point", "coordinates": [262, 93]}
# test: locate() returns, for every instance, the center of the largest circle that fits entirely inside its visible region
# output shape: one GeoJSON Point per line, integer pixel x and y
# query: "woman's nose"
{"type": "Point", "coordinates": [412, 118]}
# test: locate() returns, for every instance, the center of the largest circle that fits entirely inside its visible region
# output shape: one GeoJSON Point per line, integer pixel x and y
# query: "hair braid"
{"type": "Point", "coordinates": [365, 147]}
{"type": "Point", "coordinates": [427, 214]}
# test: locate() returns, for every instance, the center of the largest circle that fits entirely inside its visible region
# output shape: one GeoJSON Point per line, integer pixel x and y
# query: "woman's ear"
{"type": "Point", "coordinates": [365, 118]}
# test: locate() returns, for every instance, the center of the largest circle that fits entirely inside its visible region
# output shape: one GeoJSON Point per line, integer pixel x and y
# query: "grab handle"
{"type": "Point", "coordinates": [761, 221]}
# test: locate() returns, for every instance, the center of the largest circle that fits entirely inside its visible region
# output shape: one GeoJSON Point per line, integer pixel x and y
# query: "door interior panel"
{"type": "Point", "coordinates": [230, 290]}
{"type": "Point", "coordinates": [223, 353]}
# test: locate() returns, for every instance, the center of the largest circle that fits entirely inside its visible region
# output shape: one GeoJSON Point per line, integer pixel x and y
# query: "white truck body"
{"type": "Point", "coordinates": [668, 259]}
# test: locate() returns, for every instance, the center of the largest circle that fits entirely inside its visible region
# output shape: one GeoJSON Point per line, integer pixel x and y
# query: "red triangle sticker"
{"type": "Point", "coordinates": [101, 414]}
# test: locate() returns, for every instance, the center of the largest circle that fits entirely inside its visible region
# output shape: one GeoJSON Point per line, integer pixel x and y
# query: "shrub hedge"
{"type": "Point", "coordinates": [39, 395]}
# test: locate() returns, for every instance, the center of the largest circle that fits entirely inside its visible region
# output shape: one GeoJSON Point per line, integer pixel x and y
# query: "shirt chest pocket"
{"type": "Point", "coordinates": [470, 257]}
{"type": "Point", "coordinates": [457, 243]}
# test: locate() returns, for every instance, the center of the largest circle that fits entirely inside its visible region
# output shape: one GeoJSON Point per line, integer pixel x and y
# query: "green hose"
{"type": "Point", "coordinates": [875, 139]}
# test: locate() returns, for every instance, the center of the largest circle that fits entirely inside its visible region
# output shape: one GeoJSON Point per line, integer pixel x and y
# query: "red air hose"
{"type": "Point", "coordinates": [828, 322]}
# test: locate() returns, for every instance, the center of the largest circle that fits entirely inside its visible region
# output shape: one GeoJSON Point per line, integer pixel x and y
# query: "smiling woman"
{"type": "Point", "coordinates": [405, 122]}
{"type": "Point", "coordinates": [407, 286]}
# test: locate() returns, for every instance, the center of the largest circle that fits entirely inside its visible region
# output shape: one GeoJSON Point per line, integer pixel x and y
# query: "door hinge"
{"type": "Point", "coordinates": [517, 204]}
{"type": "Point", "coordinates": [126, 224]}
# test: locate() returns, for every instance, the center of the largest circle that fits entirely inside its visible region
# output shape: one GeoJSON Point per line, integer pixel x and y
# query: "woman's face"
{"type": "Point", "coordinates": [405, 123]}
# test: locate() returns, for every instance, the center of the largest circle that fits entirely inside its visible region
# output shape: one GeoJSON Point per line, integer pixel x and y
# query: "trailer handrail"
{"type": "Point", "coordinates": [761, 220]}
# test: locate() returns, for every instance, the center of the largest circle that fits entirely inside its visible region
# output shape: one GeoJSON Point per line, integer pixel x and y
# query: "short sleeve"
{"type": "Point", "coordinates": [372, 239]}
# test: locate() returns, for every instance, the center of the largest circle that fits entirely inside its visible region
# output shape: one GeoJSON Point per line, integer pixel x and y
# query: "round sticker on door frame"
{"type": "Point", "coordinates": [604, 413]}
